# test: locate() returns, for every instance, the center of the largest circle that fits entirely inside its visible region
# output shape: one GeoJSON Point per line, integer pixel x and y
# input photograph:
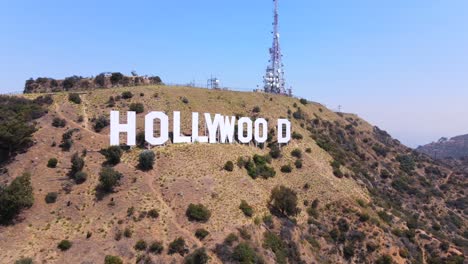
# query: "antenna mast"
{"type": "Point", "coordinates": [274, 77]}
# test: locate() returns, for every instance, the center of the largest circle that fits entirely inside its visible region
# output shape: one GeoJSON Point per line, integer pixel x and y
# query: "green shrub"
{"type": "Point", "coordinates": [230, 239]}
{"type": "Point", "coordinates": [185, 100]}
{"type": "Point", "coordinates": [51, 197]}
{"type": "Point", "coordinates": [15, 197]}
{"type": "Point", "coordinates": [108, 179]}
{"type": "Point", "coordinates": [286, 169]}
{"type": "Point", "coordinates": [298, 164]}
{"type": "Point", "coordinates": [284, 200]}
{"type": "Point", "coordinates": [198, 212]}
{"type": "Point", "coordinates": [364, 217]}
{"type": "Point", "coordinates": [201, 233]}
{"type": "Point", "coordinates": [303, 101]}
{"type": "Point", "coordinates": [112, 154]}
{"type": "Point", "coordinates": [100, 123]}
{"type": "Point", "coordinates": [308, 150]}
{"type": "Point", "coordinates": [112, 260]}
{"type": "Point", "coordinates": [244, 233]}
{"type": "Point", "coordinates": [384, 259]}
{"type": "Point", "coordinates": [177, 246]}
{"type": "Point", "coordinates": [275, 152]}
{"type": "Point", "coordinates": [128, 232]}
{"type": "Point", "coordinates": [146, 160]}
{"type": "Point", "coordinates": [385, 174]}
{"type": "Point", "coordinates": [75, 98]}
{"type": "Point", "coordinates": [52, 163]}
{"type": "Point", "coordinates": [156, 247]}
{"type": "Point", "coordinates": [297, 136]}
{"type": "Point", "coordinates": [137, 107]}
{"type": "Point", "coordinates": [246, 208]}
{"type": "Point", "coordinates": [64, 245]}
{"type": "Point", "coordinates": [153, 213]}
{"type": "Point", "coordinates": [116, 77]}
{"type": "Point", "coordinates": [80, 177]}
{"type": "Point", "coordinates": [77, 164]}
{"type": "Point", "coordinates": [256, 109]}
{"type": "Point", "coordinates": [141, 245]}
{"type": "Point", "coordinates": [199, 256]}
{"type": "Point", "coordinates": [296, 153]}
{"type": "Point", "coordinates": [245, 254]}
{"type": "Point", "coordinates": [385, 217]}
{"type": "Point", "coordinates": [127, 95]}
{"type": "Point", "coordinates": [275, 243]}
{"type": "Point", "coordinates": [229, 166]}
{"type": "Point", "coordinates": [406, 163]}
{"type": "Point", "coordinates": [58, 122]}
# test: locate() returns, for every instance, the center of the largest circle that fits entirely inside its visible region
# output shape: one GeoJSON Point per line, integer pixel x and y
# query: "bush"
{"type": "Point", "coordinates": [100, 123]}
{"type": "Point", "coordinates": [256, 109]}
{"type": "Point", "coordinates": [243, 253]}
{"type": "Point", "coordinates": [108, 179]}
{"type": "Point", "coordinates": [406, 163]}
{"type": "Point", "coordinates": [58, 122]}
{"type": "Point", "coordinates": [112, 260]}
{"type": "Point", "coordinates": [140, 139]}
{"type": "Point", "coordinates": [284, 200]}
{"type": "Point", "coordinates": [112, 154]}
{"type": "Point", "coordinates": [246, 208]}
{"type": "Point", "coordinates": [64, 245]}
{"type": "Point", "coordinates": [128, 232]}
{"type": "Point", "coordinates": [52, 163]}
{"type": "Point", "coordinates": [384, 259]}
{"type": "Point", "coordinates": [137, 107]}
{"type": "Point", "coordinates": [146, 160]}
{"type": "Point", "coordinates": [230, 239]}
{"type": "Point", "coordinates": [201, 233]}
{"type": "Point", "coordinates": [297, 136]}
{"type": "Point", "coordinates": [140, 245]}
{"type": "Point", "coordinates": [298, 164]}
{"type": "Point", "coordinates": [286, 169]}
{"type": "Point", "coordinates": [185, 100]}
{"type": "Point", "coordinates": [229, 166]}
{"type": "Point", "coordinates": [77, 164]}
{"type": "Point", "coordinates": [303, 101]}
{"type": "Point", "coordinates": [51, 197]}
{"type": "Point", "coordinates": [177, 246]}
{"type": "Point", "coordinates": [153, 213]}
{"type": "Point", "coordinates": [116, 77]}
{"type": "Point", "coordinates": [199, 256]}
{"type": "Point", "coordinates": [127, 95]}
{"type": "Point", "coordinates": [75, 98]}
{"type": "Point", "coordinates": [274, 243]}
{"type": "Point", "coordinates": [385, 217]}
{"type": "Point", "coordinates": [156, 247]}
{"type": "Point", "coordinates": [275, 152]}
{"type": "Point", "coordinates": [363, 217]}
{"type": "Point", "coordinates": [80, 177]}
{"type": "Point", "coordinates": [296, 153]}
{"type": "Point", "coordinates": [15, 197]}
{"type": "Point", "coordinates": [198, 212]}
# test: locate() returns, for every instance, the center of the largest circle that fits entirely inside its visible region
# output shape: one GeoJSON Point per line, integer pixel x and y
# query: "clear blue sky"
{"type": "Point", "coordinates": [400, 64]}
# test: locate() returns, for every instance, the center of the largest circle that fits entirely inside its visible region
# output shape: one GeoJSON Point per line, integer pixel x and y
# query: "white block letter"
{"type": "Point", "coordinates": [240, 132]}
{"type": "Point", "coordinates": [227, 129]}
{"type": "Point", "coordinates": [149, 128]}
{"type": "Point", "coordinates": [176, 128]}
{"type": "Point", "coordinates": [287, 137]}
{"type": "Point", "coordinates": [116, 128]}
{"type": "Point", "coordinates": [264, 124]}
{"type": "Point", "coordinates": [195, 136]}
{"type": "Point", "coordinates": [213, 125]}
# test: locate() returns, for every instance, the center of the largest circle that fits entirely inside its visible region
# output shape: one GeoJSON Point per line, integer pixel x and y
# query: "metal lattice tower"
{"type": "Point", "coordinates": [274, 77]}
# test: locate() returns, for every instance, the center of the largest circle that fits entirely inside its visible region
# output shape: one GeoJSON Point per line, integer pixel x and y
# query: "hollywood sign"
{"type": "Point", "coordinates": [220, 129]}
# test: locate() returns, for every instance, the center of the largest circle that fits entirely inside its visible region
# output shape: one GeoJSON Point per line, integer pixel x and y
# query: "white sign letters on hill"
{"type": "Point", "coordinates": [220, 129]}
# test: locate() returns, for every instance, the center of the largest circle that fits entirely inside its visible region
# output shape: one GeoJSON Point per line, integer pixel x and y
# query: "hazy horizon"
{"type": "Point", "coordinates": [400, 65]}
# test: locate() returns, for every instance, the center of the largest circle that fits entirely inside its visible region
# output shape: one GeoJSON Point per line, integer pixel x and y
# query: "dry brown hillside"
{"type": "Point", "coordinates": [376, 201]}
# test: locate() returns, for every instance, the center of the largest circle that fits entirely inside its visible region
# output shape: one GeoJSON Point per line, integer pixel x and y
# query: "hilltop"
{"type": "Point", "coordinates": [352, 194]}
{"type": "Point", "coordinates": [456, 147]}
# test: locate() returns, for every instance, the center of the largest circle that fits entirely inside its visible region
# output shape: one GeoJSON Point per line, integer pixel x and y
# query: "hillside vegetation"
{"type": "Point", "coordinates": [342, 191]}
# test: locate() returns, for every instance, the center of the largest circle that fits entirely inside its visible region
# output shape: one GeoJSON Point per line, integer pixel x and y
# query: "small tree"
{"type": "Point", "coordinates": [127, 95]}
{"type": "Point", "coordinates": [199, 256]}
{"type": "Point", "coordinates": [112, 154]}
{"type": "Point", "coordinates": [58, 122]}
{"type": "Point", "coordinates": [108, 179]}
{"type": "Point", "coordinates": [198, 212]}
{"type": "Point", "coordinates": [137, 107]}
{"type": "Point", "coordinates": [146, 160]}
{"type": "Point", "coordinates": [246, 208]}
{"type": "Point", "coordinates": [80, 177]}
{"type": "Point", "coordinates": [243, 253]}
{"type": "Point", "coordinates": [116, 77]}
{"type": "Point", "coordinates": [112, 260]}
{"type": "Point", "coordinates": [298, 164]}
{"type": "Point", "coordinates": [100, 123]}
{"type": "Point", "coordinates": [286, 169]}
{"type": "Point", "coordinates": [201, 233]}
{"type": "Point", "coordinates": [77, 164]}
{"type": "Point", "coordinates": [303, 101]}
{"type": "Point", "coordinates": [284, 200]}
{"type": "Point", "coordinates": [52, 163]}
{"type": "Point", "coordinates": [15, 197]}
{"type": "Point", "coordinates": [296, 153]}
{"type": "Point", "coordinates": [140, 245]}
{"type": "Point", "coordinates": [156, 247]}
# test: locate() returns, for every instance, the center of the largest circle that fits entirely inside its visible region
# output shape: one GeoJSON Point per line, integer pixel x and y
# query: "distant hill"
{"type": "Point", "coordinates": [456, 147]}
{"type": "Point", "coordinates": [342, 191]}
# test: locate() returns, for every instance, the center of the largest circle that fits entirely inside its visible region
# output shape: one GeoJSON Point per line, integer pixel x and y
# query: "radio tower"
{"type": "Point", "coordinates": [274, 77]}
